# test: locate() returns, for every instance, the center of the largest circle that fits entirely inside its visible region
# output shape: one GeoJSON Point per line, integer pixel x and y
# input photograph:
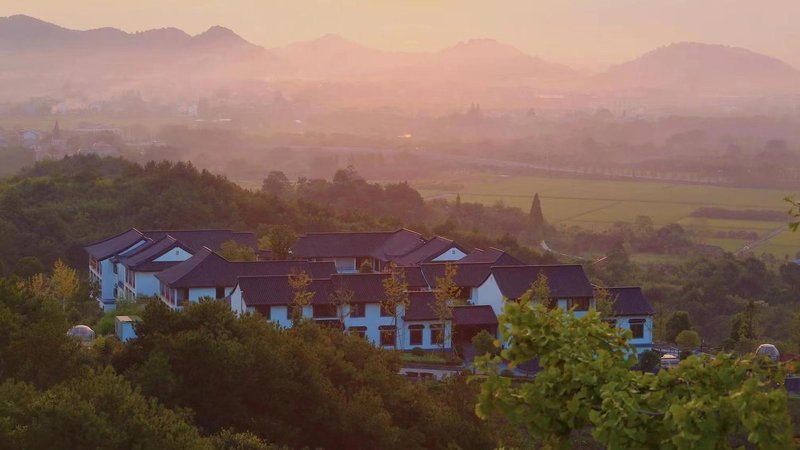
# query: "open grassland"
{"type": "Point", "coordinates": [598, 204]}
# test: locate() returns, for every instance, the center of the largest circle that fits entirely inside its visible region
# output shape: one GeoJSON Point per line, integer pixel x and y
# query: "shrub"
{"type": "Point", "coordinates": [649, 361]}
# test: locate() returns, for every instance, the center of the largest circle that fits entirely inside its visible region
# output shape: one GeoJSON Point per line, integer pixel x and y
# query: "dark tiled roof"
{"type": "Point", "coordinates": [630, 301]}
{"type": "Point", "coordinates": [208, 269]}
{"type": "Point", "coordinates": [213, 239]}
{"type": "Point", "coordinates": [414, 278]}
{"type": "Point", "coordinates": [378, 244]}
{"type": "Point", "coordinates": [366, 287]}
{"type": "Point", "coordinates": [115, 244]}
{"type": "Point", "coordinates": [427, 251]}
{"type": "Point", "coordinates": [275, 290]}
{"type": "Point", "coordinates": [565, 281]}
{"type": "Point", "coordinates": [155, 266]}
{"type": "Point", "coordinates": [321, 269]}
{"type": "Point", "coordinates": [474, 315]}
{"type": "Point", "coordinates": [419, 307]}
{"type": "Point", "coordinates": [145, 254]}
{"type": "Point", "coordinates": [492, 255]}
{"type": "Point", "coordinates": [468, 275]}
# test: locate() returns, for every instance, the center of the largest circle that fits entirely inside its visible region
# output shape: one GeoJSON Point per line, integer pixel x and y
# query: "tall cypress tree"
{"type": "Point", "coordinates": [536, 217]}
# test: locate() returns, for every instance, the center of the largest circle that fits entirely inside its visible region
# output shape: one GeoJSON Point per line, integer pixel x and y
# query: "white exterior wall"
{"type": "Point", "coordinates": [280, 315]}
{"type": "Point", "coordinates": [237, 303]}
{"type": "Point", "coordinates": [489, 294]}
{"type": "Point", "coordinates": [372, 320]}
{"type": "Point", "coordinates": [124, 330]}
{"type": "Point", "coordinates": [107, 282]}
{"type": "Point", "coordinates": [147, 284]}
{"type": "Point", "coordinates": [453, 254]}
{"type": "Point", "coordinates": [195, 294]}
{"type": "Point", "coordinates": [176, 254]}
{"type": "Point", "coordinates": [646, 341]}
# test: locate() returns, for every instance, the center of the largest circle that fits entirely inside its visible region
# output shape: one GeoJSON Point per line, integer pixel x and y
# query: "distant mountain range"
{"type": "Point", "coordinates": [701, 68]}
{"type": "Point", "coordinates": [38, 55]}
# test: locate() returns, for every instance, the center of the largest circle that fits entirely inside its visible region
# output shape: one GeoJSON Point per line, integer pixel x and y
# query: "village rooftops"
{"type": "Point", "coordinates": [564, 281]}
{"type": "Point", "coordinates": [376, 244]}
{"type": "Point", "coordinates": [142, 258]}
{"type": "Point", "coordinates": [366, 287]}
{"type": "Point", "coordinates": [404, 247]}
{"type": "Point", "coordinates": [474, 315]}
{"type": "Point", "coordinates": [629, 301]}
{"type": "Point", "coordinates": [420, 306]}
{"type": "Point", "coordinates": [275, 290]}
{"type": "Point", "coordinates": [491, 255]}
{"type": "Point", "coordinates": [427, 251]}
{"type": "Point", "coordinates": [192, 240]}
{"type": "Point", "coordinates": [468, 275]}
{"type": "Point", "coordinates": [213, 239]}
{"type": "Point", "coordinates": [208, 269]}
{"type": "Point", "coordinates": [415, 279]}
{"type": "Point", "coordinates": [114, 245]}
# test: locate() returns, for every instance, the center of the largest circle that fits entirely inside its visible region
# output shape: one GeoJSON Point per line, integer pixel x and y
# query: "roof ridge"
{"type": "Point", "coordinates": [115, 236]}
{"type": "Point", "coordinates": [530, 265]}
{"type": "Point", "coordinates": [184, 230]}
{"type": "Point", "coordinates": [349, 232]}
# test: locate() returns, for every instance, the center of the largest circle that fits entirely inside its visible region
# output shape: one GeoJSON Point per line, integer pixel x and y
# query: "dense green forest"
{"type": "Point", "coordinates": [204, 378]}
{"type": "Point", "coordinates": [50, 210]}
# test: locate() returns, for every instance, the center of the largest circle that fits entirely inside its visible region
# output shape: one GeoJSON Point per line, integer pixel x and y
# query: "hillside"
{"type": "Point", "coordinates": [701, 68]}
{"type": "Point", "coordinates": [333, 57]}
{"type": "Point", "coordinates": [102, 61]}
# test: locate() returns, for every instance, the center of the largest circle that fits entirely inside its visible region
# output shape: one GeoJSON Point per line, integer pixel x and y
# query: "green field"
{"type": "Point", "coordinates": [597, 204]}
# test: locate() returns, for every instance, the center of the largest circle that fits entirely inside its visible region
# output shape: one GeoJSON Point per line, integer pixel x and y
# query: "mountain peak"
{"type": "Point", "coordinates": [483, 48]}
{"type": "Point", "coordinates": [218, 31]}
{"type": "Point", "coordinates": [23, 22]}
{"type": "Point", "coordinates": [701, 67]}
{"type": "Point", "coordinates": [218, 35]}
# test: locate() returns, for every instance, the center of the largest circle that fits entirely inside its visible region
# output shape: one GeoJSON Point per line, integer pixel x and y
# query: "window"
{"type": "Point", "coordinates": [220, 292]}
{"type": "Point", "coordinates": [356, 310]}
{"type": "Point", "coordinates": [437, 336]}
{"type": "Point", "coordinates": [415, 334]}
{"type": "Point", "coordinates": [114, 268]}
{"type": "Point", "coordinates": [358, 331]}
{"type": "Point", "coordinates": [386, 312]}
{"type": "Point", "coordinates": [324, 311]}
{"type": "Point", "coordinates": [579, 304]}
{"type": "Point", "coordinates": [183, 295]}
{"type": "Point", "coordinates": [637, 328]}
{"type": "Point", "coordinates": [388, 336]}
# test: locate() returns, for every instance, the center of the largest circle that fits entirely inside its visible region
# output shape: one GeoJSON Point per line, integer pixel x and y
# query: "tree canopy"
{"type": "Point", "coordinates": [586, 382]}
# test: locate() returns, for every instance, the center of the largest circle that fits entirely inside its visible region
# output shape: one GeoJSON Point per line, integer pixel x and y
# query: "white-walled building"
{"type": "Point", "coordinates": [124, 265]}
{"type": "Point", "coordinates": [350, 250]}
{"type": "Point", "coordinates": [208, 275]}
{"type": "Point", "coordinates": [183, 266]}
{"type": "Point", "coordinates": [413, 327]}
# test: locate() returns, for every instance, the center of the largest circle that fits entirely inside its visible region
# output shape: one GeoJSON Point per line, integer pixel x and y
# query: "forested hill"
{"type": "Point", "coordinates": [50, 210]}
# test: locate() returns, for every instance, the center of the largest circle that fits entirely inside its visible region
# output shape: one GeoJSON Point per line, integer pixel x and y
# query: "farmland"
{"type": "Point", "coordinates": [597, 204]}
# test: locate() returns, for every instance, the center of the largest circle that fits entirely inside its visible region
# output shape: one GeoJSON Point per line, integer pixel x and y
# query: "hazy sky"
{"type": "Point", "coordinates": [585, 33]}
